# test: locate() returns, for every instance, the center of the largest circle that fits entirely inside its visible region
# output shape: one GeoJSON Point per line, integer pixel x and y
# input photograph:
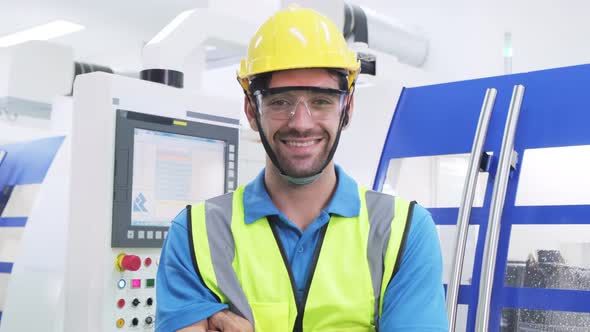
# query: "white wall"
{"type": "Point", "coordinates": [466, 37]}
{"type": "Point", "coordinates": [554, 34]}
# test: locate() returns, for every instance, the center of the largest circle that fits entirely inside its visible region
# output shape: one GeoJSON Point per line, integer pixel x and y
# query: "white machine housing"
{"type": "Point", "coordinates": [91, 291]}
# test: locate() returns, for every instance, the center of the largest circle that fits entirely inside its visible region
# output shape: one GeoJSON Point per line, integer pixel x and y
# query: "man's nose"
{"type": "Point", "coordinates": [301, 116]}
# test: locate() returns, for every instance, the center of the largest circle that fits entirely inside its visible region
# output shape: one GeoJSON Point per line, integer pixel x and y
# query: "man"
{"type": "Point", "coordinates": [302, 247]}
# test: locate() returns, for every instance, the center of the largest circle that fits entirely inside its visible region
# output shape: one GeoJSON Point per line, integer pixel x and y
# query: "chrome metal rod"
{"type": "Point", "coordinates": [496, 209]}
{"type": "Point", "coordinates": [466, 204]}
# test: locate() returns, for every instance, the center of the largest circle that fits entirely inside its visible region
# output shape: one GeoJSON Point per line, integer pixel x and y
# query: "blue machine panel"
{"type": "Point", "coordinates": [442, 119]}
{"type": "Point", "coordinates": [27, 163]}
{"type": "Point", "coordinates": [554, 114]}
{"type": "Point", "coordinates": [23, 164]}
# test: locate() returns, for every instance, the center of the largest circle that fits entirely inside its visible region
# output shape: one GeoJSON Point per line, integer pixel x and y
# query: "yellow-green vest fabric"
{"type": "Point", "coordinates": [244, 265]}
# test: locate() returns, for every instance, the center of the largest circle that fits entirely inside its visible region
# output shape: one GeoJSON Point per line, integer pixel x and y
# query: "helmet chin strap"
{"type": "Point", "coordinates": [301, 181]}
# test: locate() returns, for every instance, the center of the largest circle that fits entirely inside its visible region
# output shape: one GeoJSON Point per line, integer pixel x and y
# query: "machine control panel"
{"type": "Point", "coordinates": [160, 165]}
{"type": "Point", "coordinates": [133, 285]}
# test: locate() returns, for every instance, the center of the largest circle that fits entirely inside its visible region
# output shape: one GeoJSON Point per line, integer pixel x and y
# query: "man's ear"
{"type": "Point", "coordinates": [250, 113]}
{"type": "Point", "coordinates": [348, 115]}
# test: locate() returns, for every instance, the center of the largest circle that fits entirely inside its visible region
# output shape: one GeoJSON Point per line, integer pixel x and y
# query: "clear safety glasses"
{"type": "Point", "coordinates": [282, 103]}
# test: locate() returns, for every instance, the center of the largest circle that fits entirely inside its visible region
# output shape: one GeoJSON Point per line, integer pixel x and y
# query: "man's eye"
{"type": "Point", "coordinates": [322, 101]}
{"type": "Point", "coordinates": [279, 102]}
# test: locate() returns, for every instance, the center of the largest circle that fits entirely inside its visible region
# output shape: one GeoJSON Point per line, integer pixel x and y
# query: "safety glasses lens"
{"type": "Point", "coordinates": [282, 103]}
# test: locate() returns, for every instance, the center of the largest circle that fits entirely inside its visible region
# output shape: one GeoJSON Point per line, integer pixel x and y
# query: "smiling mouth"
{"type": "Point", "coordinates": [301, 143]}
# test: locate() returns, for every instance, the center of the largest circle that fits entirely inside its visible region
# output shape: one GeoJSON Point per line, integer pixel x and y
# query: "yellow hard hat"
{"type": "Point", "coordinates": [297, 38]}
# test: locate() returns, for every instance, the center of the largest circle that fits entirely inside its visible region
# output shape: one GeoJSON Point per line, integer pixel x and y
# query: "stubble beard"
{"type": "Point", "coordinates": [291, 166]}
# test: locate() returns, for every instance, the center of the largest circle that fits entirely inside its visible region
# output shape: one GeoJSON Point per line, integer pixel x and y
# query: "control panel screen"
{"type": "Point", "coordinates": [171, 170]}
{"type": "Point", "coordinates": [161, 166]}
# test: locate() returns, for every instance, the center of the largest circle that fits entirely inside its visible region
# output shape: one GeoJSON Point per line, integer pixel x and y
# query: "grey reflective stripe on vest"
{"type": "Point", "coordinates": [381, 208]}
{"type": "Point", "coordinates": [218, 215]}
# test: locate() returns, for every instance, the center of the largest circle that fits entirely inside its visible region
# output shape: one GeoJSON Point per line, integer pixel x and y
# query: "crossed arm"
{"type": "Point", "coordinates": [223, 321]}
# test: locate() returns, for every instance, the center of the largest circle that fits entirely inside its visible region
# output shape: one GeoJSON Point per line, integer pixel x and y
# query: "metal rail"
{"type": "Point", "coordinates": [497, 206]}
{"type": "Point", "coordinates": [467, 203]}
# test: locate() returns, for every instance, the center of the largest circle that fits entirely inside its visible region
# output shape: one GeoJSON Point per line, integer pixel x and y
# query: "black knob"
{"type": "Point", "coordinates": [135, 302]}
{"type": "Point", "coordinates": [149, 301]}
{"type": "Point", "coordinates": [149, 320]}
{"type": "Point", "coordinates": [135, 322]}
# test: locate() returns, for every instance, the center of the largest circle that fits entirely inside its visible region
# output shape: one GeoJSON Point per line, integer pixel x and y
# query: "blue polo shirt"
{"type": "Point", "coordinates": [413, 301]}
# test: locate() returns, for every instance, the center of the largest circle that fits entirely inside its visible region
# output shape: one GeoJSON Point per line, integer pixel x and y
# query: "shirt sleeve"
{"type": "Point", "coordinates": [181, 297]}
{"type": "Point", "coordinates": [414, 299]}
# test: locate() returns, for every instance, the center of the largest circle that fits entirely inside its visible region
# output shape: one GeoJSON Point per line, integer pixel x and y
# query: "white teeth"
{"type": "Point", "coordinates": [306, 143]}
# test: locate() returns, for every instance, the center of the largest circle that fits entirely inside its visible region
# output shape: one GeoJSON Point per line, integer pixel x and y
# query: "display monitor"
{"type": "Point", "coordinates": [161, 166]}
{"type": "Point", "coordinates": [171, 170]}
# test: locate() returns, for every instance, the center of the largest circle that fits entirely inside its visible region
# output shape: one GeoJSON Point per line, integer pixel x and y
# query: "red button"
{"type": "Point", "coordinates": [121, 303]}
{"type": "Point", "coordinates": [130, 263]}
{"type": "Point", "coordinates": [147, 262]}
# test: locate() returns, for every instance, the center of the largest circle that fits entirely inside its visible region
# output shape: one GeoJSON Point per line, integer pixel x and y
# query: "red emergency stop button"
{"type": "Point", "coordinates": [126, 262]}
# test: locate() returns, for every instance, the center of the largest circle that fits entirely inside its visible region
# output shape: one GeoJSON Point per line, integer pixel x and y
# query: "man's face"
{"type": "Point", "coordinates": [302, 143]}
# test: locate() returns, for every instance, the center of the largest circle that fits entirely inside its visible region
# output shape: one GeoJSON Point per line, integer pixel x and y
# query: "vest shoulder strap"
{"type": "Point", "coordinates": [213, 249]}
{"type": "Point", "coordinates": [389, 222]}
{"type": "Point", "coordinates": [395, 246]}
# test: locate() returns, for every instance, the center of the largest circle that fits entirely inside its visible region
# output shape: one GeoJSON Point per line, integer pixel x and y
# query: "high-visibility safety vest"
{"type": "Point", "coordinates": [245, 265]}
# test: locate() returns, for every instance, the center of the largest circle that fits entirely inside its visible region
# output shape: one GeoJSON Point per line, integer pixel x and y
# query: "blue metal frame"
{"type": "Point", "coordinates": [25, 163]}
{"type": "Point", "coordinates": [554, 114]}
{"type": "Point", "coordinates": [6, 267]}
{"type": "Point", "coordinates": [13, 222]}
{"type": "Point", "coordinates": [441, 120]}
{"type": "Point", "coordinates": [3, 154]}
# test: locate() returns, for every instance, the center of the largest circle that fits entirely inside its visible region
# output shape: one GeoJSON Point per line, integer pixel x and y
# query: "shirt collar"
{"type": "Point", "coordinates": [345, 202]}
